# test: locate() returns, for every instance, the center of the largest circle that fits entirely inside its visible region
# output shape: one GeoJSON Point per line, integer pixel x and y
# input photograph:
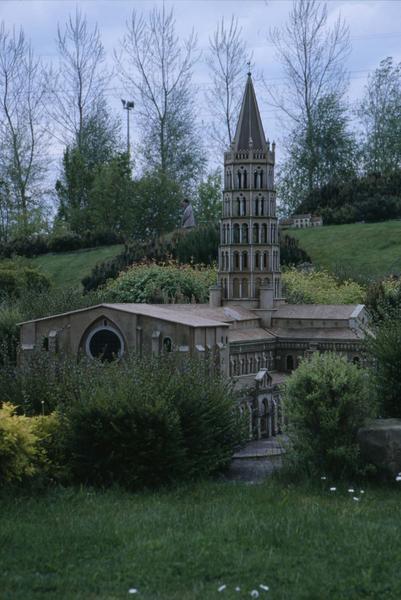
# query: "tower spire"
{"type": "Point", "coordinates": [249, 132]}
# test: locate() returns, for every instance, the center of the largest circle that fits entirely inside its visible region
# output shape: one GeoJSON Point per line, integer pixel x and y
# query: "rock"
{"type": "Point", "coordinates": [380, 444]}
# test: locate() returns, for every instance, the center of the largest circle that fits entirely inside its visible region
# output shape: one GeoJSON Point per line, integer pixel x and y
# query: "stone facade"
{"type": "Point", "coordinates": [253, 335]}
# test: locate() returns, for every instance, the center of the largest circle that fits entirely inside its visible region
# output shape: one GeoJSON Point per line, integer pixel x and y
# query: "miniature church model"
{"type": "Point", "coordinates": [255, 337]}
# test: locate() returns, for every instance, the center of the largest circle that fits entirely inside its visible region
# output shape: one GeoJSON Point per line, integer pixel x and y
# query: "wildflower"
{"type": "Point", "coordinates": [362, 492]}
{"type": "Point", "coordinates": [221, 588]}
{"type": "Point", "coordinates": [237, 589]}
{"type": "Point", "coordinates": [333, 489]}
{"type": "Point", "coordinates": [351, 490]}
{"type": "Point", "coordinates": [324, 477]}
{"type": "Point", "coordinates": [356, 499]}
{"type": "Point", "coordinates": [264, 587]}
{"type": "Point", "coordinates": [398, 478]}
{"type": "Point", "coordinates": [254, 594]}
{"type": "Point", "coordinates": [133, 591]}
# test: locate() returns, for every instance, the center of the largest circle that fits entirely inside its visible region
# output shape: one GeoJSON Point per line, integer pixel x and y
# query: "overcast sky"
{"type": "Point", "coordinates": [375, 28]}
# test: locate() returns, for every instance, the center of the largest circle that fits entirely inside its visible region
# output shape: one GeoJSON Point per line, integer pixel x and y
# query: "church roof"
{"type": "Point", "coordinates": [249, 132]}
{"type": "Point", "coordinates": [318, 311]}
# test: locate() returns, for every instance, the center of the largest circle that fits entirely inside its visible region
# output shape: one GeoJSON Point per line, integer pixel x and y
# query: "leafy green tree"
{"type": "Point", "coordinates": [331, 157]}
{"type": "Point", "coordinates": [156, 205]}
{"type": "Point", "coordinates": [380, 114]}
{"type": "Point", "coordinates": [207, 203]}
{"type": "Point", "coordinates": [82, 160]}
{"type": "Point", "coordinates": [112, 197]}
{"type": "Point", "coordinates": [384, 347]}
{"type": "Point", "coordinates": [327, 399]}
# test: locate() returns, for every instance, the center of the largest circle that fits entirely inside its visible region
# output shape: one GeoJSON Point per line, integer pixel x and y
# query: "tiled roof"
{"type": "Point", "coordinates": [149, 310]}
{"type": "Point", "coordinates": [311, 333]}
{"type": "Point", "coordinates": [250, 335]}
{"type": "Point", "coordinates": [318, 311]}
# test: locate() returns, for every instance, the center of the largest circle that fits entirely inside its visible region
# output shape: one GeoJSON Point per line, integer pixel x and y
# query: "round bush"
{"type": "Point", "coordinates": [148, 423]}
{"type": "Point", "coordinates": [162, 283]}
{"type": "Point", "coordinates": [327, 399]}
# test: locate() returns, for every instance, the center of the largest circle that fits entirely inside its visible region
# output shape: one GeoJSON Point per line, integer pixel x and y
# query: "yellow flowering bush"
{"type": "Point", "coordinates": [319, 287]}
{"type": "Point", "coordinates": [162, 283]}
{"type": "Point", "coordinates": [28, 445]}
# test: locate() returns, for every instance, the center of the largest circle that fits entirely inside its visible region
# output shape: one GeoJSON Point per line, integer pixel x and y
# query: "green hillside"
{"type": "Point", "coordinates": [359, 250]}
{"type": "Point", "coordinates": [66, 269]}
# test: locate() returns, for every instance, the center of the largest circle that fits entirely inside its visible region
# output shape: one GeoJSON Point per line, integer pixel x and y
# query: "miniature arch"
{"type": "Point", "coordinates": [103, 340]}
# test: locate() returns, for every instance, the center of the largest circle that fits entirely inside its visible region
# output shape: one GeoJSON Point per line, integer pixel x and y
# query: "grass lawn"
{"type": "Point", "coordinates": [367, 250]}
{"type": "Point", "coordinates": [303, 543]}
{"type": "Point", "coordinates": [67, 269]}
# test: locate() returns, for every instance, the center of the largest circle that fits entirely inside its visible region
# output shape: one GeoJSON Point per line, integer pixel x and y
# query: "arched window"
{"type": "Point", "coordinates": [245, 178]}
{"type": "Point", "coordinates": [239, 179]}
{"type": "Point", "coordinates": [261, 178]}
{"type": "Point", "coordinates": [245, 288]}
{"type": "Point", "coordinates": [167, 344]}
{"type": "Point", "coordinates": [266, 260]}
{"type": "Point", "coordinates": [264, 233]}
{"type": "Point", "coordinates": [257, 260]}
{"type": "Point", "coordinates": [243, 207]}
{"type": "Point", "coordinates": [262, 206]}
{"type": "Point", "coordinates": [245, 260]}
{"type": "Point", "coordinates": [104, 342]}
{"type": "Point", "coordinates": [236, 288]}
{"type": "Point", "coordinates": [256, 233]}
{"type": "Point", "coordinates": [236, 261]}
{"type": "Point", "coordinates": [236, 233]}
{"type": "Point", "coordinates": [255, 180]}
{"type": "Point", "coordinates": [256, 207]}
{"type": "Point", "coordinates": [290, 363]}
{"type": "Point", "coordinates": [245, 238]}
{"type": "Point", "coordinates": [238, 203]}
{"type": "Point", "coordinates": [258, 283]}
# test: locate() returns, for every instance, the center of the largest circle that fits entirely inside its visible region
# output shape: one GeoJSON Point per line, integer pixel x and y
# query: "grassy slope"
{"type": "Point", "coordinates": [368, 250]}
{"type": "Point", "coordinates": [305, 544]}
{"type": "Point", "coordinates": [68, 268]}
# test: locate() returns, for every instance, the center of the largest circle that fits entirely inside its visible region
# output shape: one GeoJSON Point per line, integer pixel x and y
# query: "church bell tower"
{"type": "Point", "coordinates": [249, 251]}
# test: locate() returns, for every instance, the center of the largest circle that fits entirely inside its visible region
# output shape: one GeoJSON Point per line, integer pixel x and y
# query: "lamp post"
{"type": "Point", "coordinates": [128, 105]}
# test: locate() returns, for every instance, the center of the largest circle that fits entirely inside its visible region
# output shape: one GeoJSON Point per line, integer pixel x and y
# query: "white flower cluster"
{"type": "Point", "coordinates": [351, 490]}
{"type": "Point", "coordinates": [253, 594]}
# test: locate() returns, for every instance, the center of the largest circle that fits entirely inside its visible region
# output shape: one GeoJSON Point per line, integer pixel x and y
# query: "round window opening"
{"type": "Point", "coordinates": [105, 343]}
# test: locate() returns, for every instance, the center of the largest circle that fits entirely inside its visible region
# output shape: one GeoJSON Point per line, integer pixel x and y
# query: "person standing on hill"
{"type": "Point", "coordinates": [187, 219]}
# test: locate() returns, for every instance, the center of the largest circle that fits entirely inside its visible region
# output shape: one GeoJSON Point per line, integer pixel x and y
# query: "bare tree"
{"type": "Point", "coordinates": [313, 57]}
{"type": "Point", "coordinates": [76, 89]}
{"type": "Point", "coordinates": [157, 70]}
{"type": "Point", "coordinates": [22, 126]}
{"type": "Point", "coordinates": [227, 60]}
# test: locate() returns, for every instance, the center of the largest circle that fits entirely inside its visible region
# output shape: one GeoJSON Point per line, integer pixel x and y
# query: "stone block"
{"type": "Point", "coordinates": [380, 444]}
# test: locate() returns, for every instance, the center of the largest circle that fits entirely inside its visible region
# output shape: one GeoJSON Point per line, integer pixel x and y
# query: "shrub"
{"type": "Point", "coordinates": [198, 246]}
{"type": "Point", "coordinates": [151, 422]}
{"type": "Point", "coordinates": [384, 348]}
{"type": "Point", "coordinates": [162, 283]}
{"type": "Point", "coordinates": [16, 278]}
{"type": "Point", "coordinates": [319, 287]}
{"type": "Point", "coordinates": [19, 450]}
{"type": "Point", "coordinates": [327, 399]}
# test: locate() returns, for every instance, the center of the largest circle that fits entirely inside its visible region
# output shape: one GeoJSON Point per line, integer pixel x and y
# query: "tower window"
{"type": "Point", "coordinates": [245, 233]}
{"type": "Point", "coordinates": [256, 233]}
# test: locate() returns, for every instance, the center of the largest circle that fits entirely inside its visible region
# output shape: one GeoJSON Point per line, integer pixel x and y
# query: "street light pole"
{"type": "Point", "coordinates": [128, 105]}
